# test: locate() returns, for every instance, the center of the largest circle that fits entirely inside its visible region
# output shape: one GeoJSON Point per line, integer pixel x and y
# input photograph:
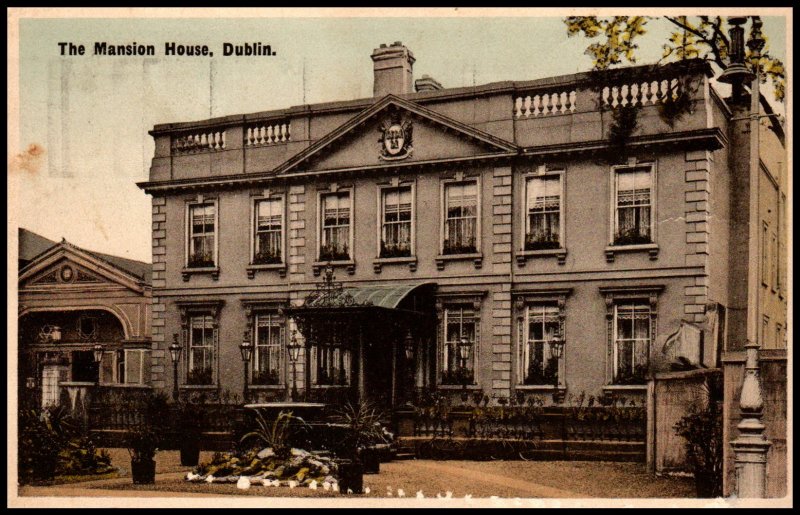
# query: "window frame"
{"type": "Point", "coordinates": [471, 301]}
{"type": "Point", "coordinates": [115, 367]}
{"type": "Point", "coordinates": [635, 303]}
{"type": "Point", "coordinates": [444, 184]}
{"type": "Point", "coordinates": [254, 228]}
{"type": "Point", "coordinates": [189, 309]}
{"type": "Point", "coordinates": [525, 225]}
{"type": "Point", "coordinates": [383, 189]}
{"type": "Point", "coordinates": [282, 348]}
{"type": "Point", "coordinates": [614, 295]}
{"type": "Point", "coordinates": [188, 235]}
{"type": "Point", "coordinates": [614, 200]}
{"type": "Point", "coordinates": [350, 191]}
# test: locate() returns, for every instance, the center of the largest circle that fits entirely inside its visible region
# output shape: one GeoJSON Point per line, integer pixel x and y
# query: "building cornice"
{"type": "Point", "coordinates": [706, 139]}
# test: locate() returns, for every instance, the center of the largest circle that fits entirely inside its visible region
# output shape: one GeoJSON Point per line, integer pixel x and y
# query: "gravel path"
{"type": "Point", "coordinates": [504, 479]}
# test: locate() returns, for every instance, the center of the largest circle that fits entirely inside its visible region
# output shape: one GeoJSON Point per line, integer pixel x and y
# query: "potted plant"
{"type": "Point", "coordinates": [144, 437]}
{"type": "Point", "coordinates": [142, 446]}
{"type": "Point", "coordinates": [189, 430]}
{"type": "Point", "coordinates": [364, 431]}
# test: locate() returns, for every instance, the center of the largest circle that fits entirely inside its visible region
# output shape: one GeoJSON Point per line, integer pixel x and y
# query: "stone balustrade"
{"type": "Point", "coordinates": [545, 103]}
{"type": "Point", "coordinates": [194, 142]}
{"type": "Point", "coordinates": [268, 133]}
{"type": "Point", "coordinates": [641, 93]}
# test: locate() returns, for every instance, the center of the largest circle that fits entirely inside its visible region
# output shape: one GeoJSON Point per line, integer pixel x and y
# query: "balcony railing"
{"type": "Point", "coordinates": [194, 142]}
{"type": "Point", "coordinates": [268, 133]}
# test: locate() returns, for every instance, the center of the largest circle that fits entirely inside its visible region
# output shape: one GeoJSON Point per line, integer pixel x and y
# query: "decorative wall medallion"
{"type": "Point", "coordinates": [396, 139]}
{"type": "Point", "coordinates": [67, 274]}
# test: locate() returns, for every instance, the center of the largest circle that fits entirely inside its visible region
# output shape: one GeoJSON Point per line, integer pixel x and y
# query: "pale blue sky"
{"type": "Point", "coordinates": [91, 113]}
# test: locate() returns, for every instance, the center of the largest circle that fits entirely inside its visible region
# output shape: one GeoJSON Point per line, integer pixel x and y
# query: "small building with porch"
{"type": "Point", "coordinates": [83, 322]}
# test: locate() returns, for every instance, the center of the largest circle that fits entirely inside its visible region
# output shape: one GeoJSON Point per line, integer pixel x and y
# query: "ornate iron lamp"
{"type": "Point", "coordinates": [246, 348]}
{"type": "Point", "coordinates": [175, 354]}
{"type": "Point", "coordinates": [557, 349]}
{"type": "Point", "coordinates": [464, 349]}
{"type": "Point", "coordinates": [98, 357]}
{"type": "Point", "coordinates": [409, 346]}
{"type": "Point", "coordinates": [294, 355]}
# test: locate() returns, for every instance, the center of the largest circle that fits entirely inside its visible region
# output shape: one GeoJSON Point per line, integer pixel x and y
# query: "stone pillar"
{"type": "Point", "coordinates": [751, 446]}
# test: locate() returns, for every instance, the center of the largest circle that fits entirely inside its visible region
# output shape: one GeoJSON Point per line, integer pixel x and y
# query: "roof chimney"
{"type": "Point", "coordinates": [393, 69]}
{"type": "Point", "coordinates": [427, 83]}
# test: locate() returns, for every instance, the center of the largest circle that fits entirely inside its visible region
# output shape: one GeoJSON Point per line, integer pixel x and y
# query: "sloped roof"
{"type": "Point", "coordinates": [32, 245]}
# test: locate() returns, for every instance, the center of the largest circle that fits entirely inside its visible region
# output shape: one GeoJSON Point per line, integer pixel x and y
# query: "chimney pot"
{"type": "Point", "coordinates": [393, 70]}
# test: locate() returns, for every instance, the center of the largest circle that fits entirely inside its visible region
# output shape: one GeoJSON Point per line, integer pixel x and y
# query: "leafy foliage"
{"type": "Point", "coordinates": [364, 423]}
{"type": "Point", "coordinates": [702, 430]}
{"type": "Point", "coordinates": [50, 444]}
{"type": "Point", "coordinates": [144, 436]}
{"type": "Point", "coordinates": [274, 434]}
{"type": "Point", "coordinates": [695, 37]}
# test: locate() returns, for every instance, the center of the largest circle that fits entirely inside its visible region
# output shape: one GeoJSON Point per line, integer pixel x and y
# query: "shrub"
{"type": "Point", "coordinates": [702, 430]}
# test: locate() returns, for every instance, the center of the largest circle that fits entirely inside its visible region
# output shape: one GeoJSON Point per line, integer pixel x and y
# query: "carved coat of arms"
{"type": "Point", "coordinates": [395, 140]}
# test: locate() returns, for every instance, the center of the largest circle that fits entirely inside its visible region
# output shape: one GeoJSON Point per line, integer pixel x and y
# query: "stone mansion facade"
{"type": "Point", "coordinates": [547, 237]}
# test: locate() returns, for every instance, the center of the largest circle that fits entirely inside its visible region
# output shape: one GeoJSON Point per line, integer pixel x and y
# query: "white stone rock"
{"type": "Point", "coordinates": [243, 483]}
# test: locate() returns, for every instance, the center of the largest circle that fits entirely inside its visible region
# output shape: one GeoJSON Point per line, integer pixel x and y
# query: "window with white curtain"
{"type": "Point", "coordinates": [396, 222]}
{"type": "Point", "coordinates": [269, 349]}
{"type": "Point", "coordinates": [461, 218]}
{"type": "Point", "coordinates": [632, 340]}
{"type": "Point", "coordinates": [633, 212]}
{"type": "Point", "coordinates": [268, 248]}
{"type": "Point", "coordinates": [539, 366]}
{"type": "Point", "coordinates": [201, 350]}
{"type": "Point", "coordinates": [335, 238]}
{"type": "Point", "coordinates": [202, 235]}
{"type": "Point", "coordinates": [543, 213]}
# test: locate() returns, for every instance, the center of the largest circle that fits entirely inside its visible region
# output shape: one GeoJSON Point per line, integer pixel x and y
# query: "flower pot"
{"type": "Point", "coordinates": [190, 452]}
{"type": "Point", "coordinates": [370, 460]}
{"type": "Point", "coordinates": [143, 471]}
{"type": "Point", "coordinates": [351, 476]}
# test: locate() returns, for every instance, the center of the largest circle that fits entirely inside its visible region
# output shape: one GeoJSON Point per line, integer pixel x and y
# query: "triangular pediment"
{"type": "Point", "coordinates": [66, 267]}
{"type": "Point", "coordinates": [395, 132]}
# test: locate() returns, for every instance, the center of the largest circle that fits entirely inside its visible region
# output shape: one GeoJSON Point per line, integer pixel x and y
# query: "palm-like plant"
{"type": "Point", "coordinates": [363, 421]}
{"type": "Point", "coordinates": [275, 433]}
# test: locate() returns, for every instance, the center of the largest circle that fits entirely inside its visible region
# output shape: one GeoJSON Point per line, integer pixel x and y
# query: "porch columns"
{"type": "Point", "coordinates": [360, 364]}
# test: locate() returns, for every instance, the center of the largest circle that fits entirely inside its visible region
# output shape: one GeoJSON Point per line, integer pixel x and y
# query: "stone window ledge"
{"type": "Point", "coordinates": [458, 387]}
{"type": "Point", "coordinates": [279, 267]}
{"type": "Point", "coordinates": [540, 387]}
{"type": "Point", "coordinates": [318, 266]}
{"type": "Point", "coordinates": [476, 257]}
{"type": "Point", "coordinates": [266, 386]}
{"type": "Point", "coordinates": [198, 387]}
{"type": "Point", "coordinates": [524, 255]}
{"type": "Point", "coordinates": [213, 271]}
{"type": "Point", "coordinates": [625, 387]}
{"type": "Point", "coordinates": [323, 386]}
{"type": "Point", "coordinates": [411, 261]}
{"type": "Point", "coordinates": [651, 248]}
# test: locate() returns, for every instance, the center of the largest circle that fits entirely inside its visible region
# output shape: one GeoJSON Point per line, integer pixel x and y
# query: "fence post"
{"type": "Point", "coordinates": [751, 446]}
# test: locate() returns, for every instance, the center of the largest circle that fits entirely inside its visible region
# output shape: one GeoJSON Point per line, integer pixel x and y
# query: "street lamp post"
{"type": "Point", "coordinates": [98, 357]}
{"type": "Point", "coordinates": [751, 446]}
{"type": "Point", "coordinates": [246, 347]}
{"type": "Point", "coordinates": [464, 348]}
{"type": "Point", "coordinates": [294, 355]}
{"type": "Point", "coordinates": [557, 348]}
{"type": "Point", "coordinates": [175, 354]}
{"type": "Point", "coordinates": [408, 345]}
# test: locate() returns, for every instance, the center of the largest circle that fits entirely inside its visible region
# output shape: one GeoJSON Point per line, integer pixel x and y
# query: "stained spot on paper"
{"type": "Point", "coordinates": [29, 161]}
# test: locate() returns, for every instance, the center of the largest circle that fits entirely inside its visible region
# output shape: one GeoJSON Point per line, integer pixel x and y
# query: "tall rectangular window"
{"type": "Point", "coordinates": [543, 213]}
{"type": "Point", "coordinates": [459, 329]}
{"type": "Point", "coordinates": [461, 218]}
{"type": "Point", "coordinates": [632, 338]}
{"type": "Point", "coordinates": [202, 234]}
{"type": "Point", "coordinates": [774, 261]}
{"type": "Point", "coordinates": [201, 350]}
{"type": "Point", "coordinates": [633, 212]}
{"type": "Point", "coordinates": [268, 354]}
{"type": "Point", "coordinates": [396, 222]}
{"type": "Point", "coordinates": [335, 237]}
{"type": "Point", "coordinates": [539, 364]}
{"type": "Point", "coordinates": [268, 232]}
